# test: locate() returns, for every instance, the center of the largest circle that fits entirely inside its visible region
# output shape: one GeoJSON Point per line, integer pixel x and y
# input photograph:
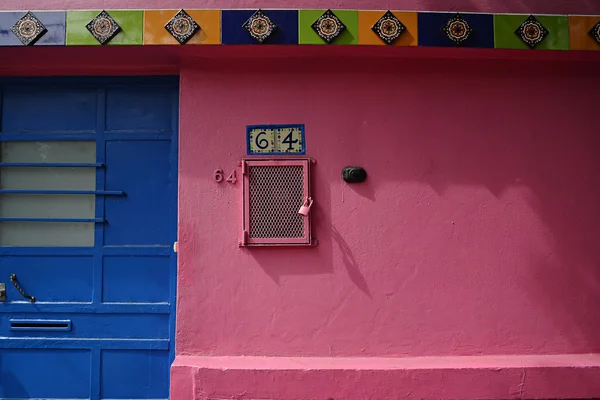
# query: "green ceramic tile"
{"type": "Point", "coordinates": [131, 22]}
{"type": "Point", "coordinates": [505, 26]}
{"type": "Point", "coordinates": [309, 36]}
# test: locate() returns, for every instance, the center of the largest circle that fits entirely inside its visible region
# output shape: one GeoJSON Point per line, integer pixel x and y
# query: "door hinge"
{"type": "Point", "coordinates": [175, 246]}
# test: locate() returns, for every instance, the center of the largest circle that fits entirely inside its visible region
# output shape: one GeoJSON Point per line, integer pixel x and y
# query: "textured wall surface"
{"type": "Point", "coordinates": [509, 6]}
{"type": "Point", "coordinates": [476, 232]}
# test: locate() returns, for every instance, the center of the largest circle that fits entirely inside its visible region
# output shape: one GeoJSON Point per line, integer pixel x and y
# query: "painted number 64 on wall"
{"type": "Point", "coordinates": [275, 140]}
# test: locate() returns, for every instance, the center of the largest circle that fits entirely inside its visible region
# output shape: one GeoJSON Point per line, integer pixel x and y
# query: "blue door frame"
{"type": "Point", "coordinates": [144, 113]}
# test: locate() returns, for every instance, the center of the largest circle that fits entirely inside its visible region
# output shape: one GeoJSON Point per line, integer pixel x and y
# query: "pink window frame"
{"type": "Point", "coordinates": [247, 240]}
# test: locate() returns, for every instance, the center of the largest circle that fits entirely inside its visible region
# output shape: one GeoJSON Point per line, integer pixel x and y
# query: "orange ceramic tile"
{"type": "Point", "coordinates": [209, 21]}
{"type": "Point", "coordinates": [366, 20]}
{"type": "Point", "coordinates": [579, 26]}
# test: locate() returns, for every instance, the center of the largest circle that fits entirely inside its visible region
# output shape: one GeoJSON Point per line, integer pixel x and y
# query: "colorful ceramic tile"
{"type": "Point", "coordinates": [259, 26]}
{"type": "Point", "coordinates": [28, 29]}
{"type": "Point", "coordinates": [457, 29]}
{"type": "Point", "coordinates": [260, 140]}
{"type": "Point", "coordinates": [182, 27]}
{"type": "Point", "coordinates": [579, 32]}
{"type": "Point", "coordinates": [308, 35]}
{"type": "Point", "coordinates": [275, 139]}
{"type": "Point", "coordinates": [505, 26]}
{"type": "Point", "coordinates": [289, 140]}
{"type": "Point", "coordinates": [208, 20]}
{"type": "Point", "coordinates": [328, 26]}
{"type": "Point", "coordinates": [233, 22]}
{"type": "Point", "coordinates": [595, 32]}
{"type": "Point", "coordinates": [531, 32]}
{"type": "Point", "coordinates": [130, 22]}
{"type": "Point", "coordinates": [54, 22]}
{"type": "Point", "coordinates": [388, 28]}
{"type": "Point", "coordinates": [103, 27]}
{"type": "Point", "coordinates": [368, 19]}
{"type": "Point", "coordinates": [435, 29]}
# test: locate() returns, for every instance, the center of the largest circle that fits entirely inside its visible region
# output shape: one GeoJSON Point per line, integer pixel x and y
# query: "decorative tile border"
{"type": "Point", "coordinates": [305, 27]}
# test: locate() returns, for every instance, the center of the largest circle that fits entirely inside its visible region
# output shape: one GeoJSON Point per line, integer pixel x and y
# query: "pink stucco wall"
{"type": "Point", "coordinates": [475, 234]}
{"type": "Point", "coordinates": [504, 6]}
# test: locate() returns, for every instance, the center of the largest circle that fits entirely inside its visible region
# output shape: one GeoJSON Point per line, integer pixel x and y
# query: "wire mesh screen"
{"type": "Point", "coordinates": [276, 194]}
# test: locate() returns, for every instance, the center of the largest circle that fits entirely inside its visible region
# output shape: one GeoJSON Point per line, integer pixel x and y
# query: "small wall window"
{"type": "Point", "coordinates": [274, 192]}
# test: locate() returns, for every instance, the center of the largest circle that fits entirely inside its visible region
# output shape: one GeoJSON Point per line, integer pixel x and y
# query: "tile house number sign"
{"type": "Point", "coordinates": [275, 140]}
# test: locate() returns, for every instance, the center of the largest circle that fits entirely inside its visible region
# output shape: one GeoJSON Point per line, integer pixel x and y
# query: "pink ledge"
{"type": "Point", "coordinates": [562, 376]}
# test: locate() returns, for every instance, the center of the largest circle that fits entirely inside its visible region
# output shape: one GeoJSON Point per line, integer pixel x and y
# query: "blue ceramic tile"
{"type": "Point", "coordinates": [54, 22]}
{"type": "Point", "coordinates": [431, 34]}
{"type": "Point", "coordinates": [233, 32]}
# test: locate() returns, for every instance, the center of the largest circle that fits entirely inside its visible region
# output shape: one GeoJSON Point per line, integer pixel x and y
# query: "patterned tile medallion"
{"type": "Point", "coordinates": [457, 29]}
{"type": "Point", "coordinates": [531, 32]}
{"type": "Point", "coordinates": [182, 26]}
{"type": "Point", "coordinates": [328, 26]}
{"type": "Point", "coordinates": [595, 32]}
{"type": "Point", "coordinates": [103, 27]}
{"type": "Point", "coordinates": [28, 29]}
{"type": "Point", "coordinates": [259, 26]}
{"type": "Point", "coordinates": [388, 28]}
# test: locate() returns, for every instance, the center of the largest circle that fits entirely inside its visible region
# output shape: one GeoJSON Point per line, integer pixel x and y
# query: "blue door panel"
{"type": "Point", "coordinates": [142, 170]}
{"type": "Point", "coordinates": [150, 274]}
{"type": "Point", "coordinates": [48, 109]}
{"type": "Point", "coordinates": [117, 326]}
{"type": "Point", "coordinates": [135, 374]}
{"type": "Point", "coordinates": [44, 373]}
{"type": "Point", "coordinates": [103, 323]}
{"type": "Point", "coordinates": [49, 278]}
{"type": "Point", "coordinates": [138, 109]}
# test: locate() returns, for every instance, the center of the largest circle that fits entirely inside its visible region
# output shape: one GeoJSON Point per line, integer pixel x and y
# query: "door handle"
{"type": "Point", "coordinates": [2, 292]}
{"type": "Point", "coordinates": [13, 280]}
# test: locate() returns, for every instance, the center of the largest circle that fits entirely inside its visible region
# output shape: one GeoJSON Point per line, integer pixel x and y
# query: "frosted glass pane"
{"type": "Point", "coordinates": [59, 178]}
{"type": "Point", "coordinates": [47, 206]}
{"type": "Point", "coordinates": [49, 152]}
{"type": "Point", "coordinates": [46, 234]}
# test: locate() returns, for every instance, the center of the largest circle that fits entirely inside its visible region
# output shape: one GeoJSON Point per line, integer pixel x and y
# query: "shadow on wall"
{"type": "Point", "coordinates": [320, 259]}
{"type": "Point", "coordinates": [520, 135]}
{"type": "Point", "coordinates": [590, 7]}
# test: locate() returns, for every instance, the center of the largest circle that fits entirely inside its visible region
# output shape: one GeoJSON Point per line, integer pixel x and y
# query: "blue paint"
{"type": "Point", "coordinates": [35, 273]}
{"type": "Point", "coordinates": [118, 295]}
{"type": "Point", "coordinates": [54, 21]}
{"type": "Point", "coordinates": [232, 22]}
{"type": "Point", "coordinates": [102, 326]}
{"type": "Point", "coordinates": [144, 172]}
{"type": "Point", "coordinates": [151, 275]}
{"type": "Point", "coordinates": [26, 373]}
{"type": "Point", "coordinates": [147, 380]}
{"type": "Point", "coordinates": [300, 127]}
{"type": "Point", "coordinates": [138, 108]}
{"type": "Point", "coordinates": [48, 110]}
{"type": "Point", "coordinates": [431, 24]}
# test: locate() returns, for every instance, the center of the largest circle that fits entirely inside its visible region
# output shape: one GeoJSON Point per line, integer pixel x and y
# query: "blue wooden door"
{"type": "Point", "coordinates": [88, 177]}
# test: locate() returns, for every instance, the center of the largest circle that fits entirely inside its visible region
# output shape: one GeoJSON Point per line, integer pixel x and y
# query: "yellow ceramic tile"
{"type": "Point", "coordinates": [579, 26]}
{"type": "Point", "coordinates": [209, 21]}
{"type": "Point", "coordinates": [366, 20]}
{"type": "Point", "coordinates": [262, 140]}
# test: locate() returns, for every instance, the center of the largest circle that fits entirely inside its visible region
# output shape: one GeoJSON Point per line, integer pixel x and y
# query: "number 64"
{"type": "Point", "coordinates": [218, 175]}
